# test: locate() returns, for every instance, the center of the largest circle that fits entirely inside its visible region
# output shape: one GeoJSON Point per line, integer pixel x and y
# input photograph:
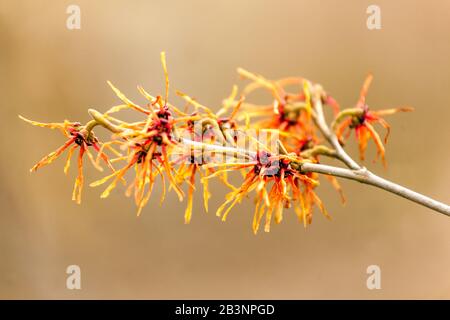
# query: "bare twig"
{"type": "Point", "coordinates": [365, 176]}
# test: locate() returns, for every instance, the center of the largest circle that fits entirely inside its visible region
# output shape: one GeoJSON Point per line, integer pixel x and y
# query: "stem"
{"type": "Point", "coordinates": [365, 176]}
{"type": "Point", "coordinates": [215, 147]}
{"type": "Point", "coordinates": [99, 119]}
{"type": "Point", "coordinates": [319, 119]}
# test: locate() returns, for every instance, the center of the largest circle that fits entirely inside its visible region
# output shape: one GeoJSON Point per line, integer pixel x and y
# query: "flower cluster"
{"type": "Point", "coordinates": [182, 146]}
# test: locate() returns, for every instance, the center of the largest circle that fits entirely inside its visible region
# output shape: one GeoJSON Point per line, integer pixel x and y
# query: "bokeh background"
{"type": "Point", "coordinates": [50, 73]}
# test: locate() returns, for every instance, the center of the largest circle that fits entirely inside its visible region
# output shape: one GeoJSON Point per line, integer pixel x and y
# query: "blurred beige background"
{"type": "Point", "coordinates": [49, 73]}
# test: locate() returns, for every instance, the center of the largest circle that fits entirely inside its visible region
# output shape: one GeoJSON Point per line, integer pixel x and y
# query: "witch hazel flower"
{"type": "Point", "coordinates": [78, 137]}
{"type": "Point", "coordinates": [361, 119]}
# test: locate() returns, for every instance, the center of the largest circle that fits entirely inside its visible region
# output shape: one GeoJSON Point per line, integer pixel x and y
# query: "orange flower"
{"type": "Point", "coordinates": [78, 137]}
{"type": "Point", "coordinates": [361, 118]}
{"type": "Point", "coordinates": [150, 145]}
{"type": "Point", "coordinates": [291, 110]}
{"type": "Point", "coordinates": [278, 184]}
{"type": "Point", "coordinates": [290, 113]}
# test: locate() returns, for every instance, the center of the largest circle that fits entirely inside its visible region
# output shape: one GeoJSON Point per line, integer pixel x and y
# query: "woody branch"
{"type": "Point", "coordinates": [354, 171]}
